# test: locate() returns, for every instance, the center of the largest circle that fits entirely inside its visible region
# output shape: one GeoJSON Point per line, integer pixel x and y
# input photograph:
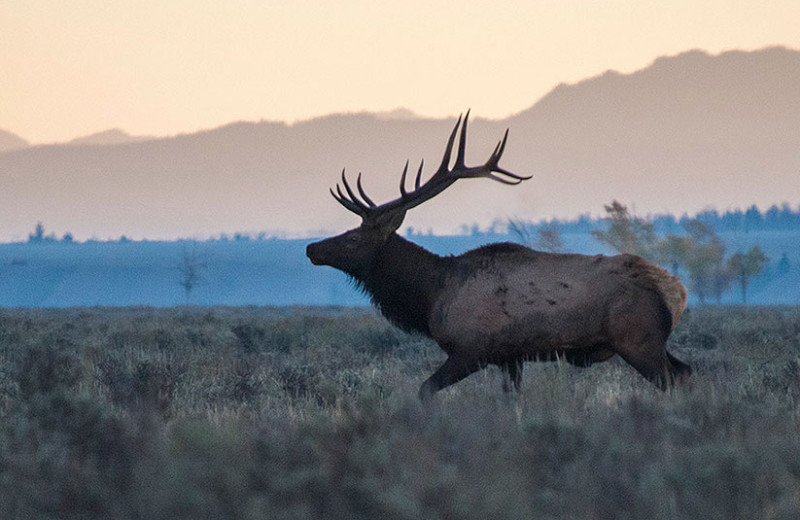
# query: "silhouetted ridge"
{"type": "Point", "coordinates": [687, 132]}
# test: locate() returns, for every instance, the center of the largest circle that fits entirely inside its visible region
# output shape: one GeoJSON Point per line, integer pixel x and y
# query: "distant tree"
{"type": "Point", "coordinates": [752, 219]}
{"type": "Point", "coordinates": [789, 219]}
{"type": "Point", "coordinates": [475, 230]}
{"type": "Point", "coordinates": [720, 282]}
{"type": "Point", "coordinates": [522, 230]}
{"type": "Point", "coordinates": [627, 233]}
{"type": "Point", "coordinates": [783, 264]}
{"type": "Point", "coordinates": [701, 251]}
{"type": "Point", "coordinates": [772, 217]}
{"type": "Point", "coordinates": [744, 266]}
{"type": "Point", "coordinates": [38, 234]}
{"type": "Point", "coordinates": [191, 265]}
{"type": "Point", "coordinates": [707, 274]}
{"type": "Point", "coordinates": [674, 251]}
{"type": "Point", "coordinates": [701, 233]}
{"type": "Point", "coordinates": [547, 236]}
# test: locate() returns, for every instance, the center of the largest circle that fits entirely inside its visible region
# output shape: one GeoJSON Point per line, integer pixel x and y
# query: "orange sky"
{"type": "Point", "coordinates": [162, 67]}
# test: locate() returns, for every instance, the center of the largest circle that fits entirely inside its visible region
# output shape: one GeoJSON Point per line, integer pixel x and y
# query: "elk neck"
{"type": "Point", "coordinates": [404, 281]}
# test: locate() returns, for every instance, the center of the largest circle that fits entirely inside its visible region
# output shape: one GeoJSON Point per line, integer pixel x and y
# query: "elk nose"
{"type": "Point", "coordinates": [311, 253]}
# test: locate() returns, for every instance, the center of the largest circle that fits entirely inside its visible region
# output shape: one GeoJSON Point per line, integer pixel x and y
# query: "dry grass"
{"type": "Point", "coordinates": [311, 413]}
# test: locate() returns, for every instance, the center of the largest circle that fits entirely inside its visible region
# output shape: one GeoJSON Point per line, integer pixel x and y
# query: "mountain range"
{"type": "Point", "coordinates": [686, 133]}
{"type": "Point", "coordinates": [9, 141]}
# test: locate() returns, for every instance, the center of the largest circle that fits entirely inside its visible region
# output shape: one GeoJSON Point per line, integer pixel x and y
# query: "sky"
{"type": "Point", "coordinates": [164, 67]}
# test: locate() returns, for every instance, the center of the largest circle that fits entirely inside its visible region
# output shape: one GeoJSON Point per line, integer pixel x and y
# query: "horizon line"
{"type": "Point", "coordinates": [497, 227]}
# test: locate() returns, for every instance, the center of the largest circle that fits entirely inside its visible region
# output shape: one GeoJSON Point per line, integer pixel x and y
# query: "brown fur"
{"type": "Point", "coordinates": [670, 287]}
{"type": "Point", "coordinates": [505, 304]}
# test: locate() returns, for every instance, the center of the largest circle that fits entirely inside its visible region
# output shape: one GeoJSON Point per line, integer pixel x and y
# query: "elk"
{"type": "Point", "coordinates": [504, 303]}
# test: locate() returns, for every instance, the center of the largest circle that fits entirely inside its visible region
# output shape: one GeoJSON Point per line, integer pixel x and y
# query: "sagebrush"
{"type": "Point", "coordinates": [311, 413]}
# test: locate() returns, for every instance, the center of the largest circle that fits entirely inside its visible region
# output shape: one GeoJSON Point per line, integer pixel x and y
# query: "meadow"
{"type": "Point", "coordinates": [293, 412]}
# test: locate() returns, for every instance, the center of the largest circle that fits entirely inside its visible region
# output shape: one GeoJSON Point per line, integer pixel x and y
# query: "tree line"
{"type": "Point", "coordinates": [775, 218]}
{"type": "Point", "coordinates": [687, 247]}
{"type": "Point", "coordinates": [698, 253]}
{"type": "Point", "coordinates": [752, 219]}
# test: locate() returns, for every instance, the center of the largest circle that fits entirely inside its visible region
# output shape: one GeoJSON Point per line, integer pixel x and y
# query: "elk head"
{"type": "Point", "coordinates": [353, 251]}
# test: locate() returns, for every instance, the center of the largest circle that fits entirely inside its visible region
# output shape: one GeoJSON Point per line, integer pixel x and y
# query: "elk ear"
{"type": "Point", "coordinates": [390, 222]}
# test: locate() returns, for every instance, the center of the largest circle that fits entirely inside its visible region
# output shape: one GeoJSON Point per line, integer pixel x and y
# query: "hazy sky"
{"type": "Point", "coordinates": [162, 67]}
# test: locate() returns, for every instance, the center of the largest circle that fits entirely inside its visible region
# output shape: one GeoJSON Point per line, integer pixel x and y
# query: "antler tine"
{"type": "Point", "coordinates": [491, 168]}
{"type": "Point", "coordinates": [352, 202]}
{"type": "Point", "coordinates": [419, 175]}
{"type": "Point", "coordinates": [502, 180]}
{"type": "Point", "coordinates": [462, 144]}
{"type": "Point", "coordinates": [347, 203]}
{"type": "Point", "coordinates": [403, 192]}
{"type": "Point", "coordinates": [350, 192]}
{"type": "Point", "coordinates": [518, 178]}
{"type": "Point", "coordinates": [449, 149]}
{"type": "Point", "coordinates": [501, 147]}
{"type": "Point", "coordinates": [498, 169]}
{"type": "Point", "coordinates": [494, 159]}
{"type": "Point", "coordinates": [363, 194]}
{"type": "Point", "coordinates": [343, 198]}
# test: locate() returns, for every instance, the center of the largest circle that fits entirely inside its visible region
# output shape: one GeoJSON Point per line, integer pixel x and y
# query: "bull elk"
{"type": "Point", "coordinates": [504, 303]}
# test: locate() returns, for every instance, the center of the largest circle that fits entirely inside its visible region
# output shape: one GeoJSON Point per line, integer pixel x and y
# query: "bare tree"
{"type": "Point", "coordinates": [628, 233]}
{"type": "Point", "coordinates": [674, 251]}
{"type": "Point", "coordinates": [744, 266]}
{"type": "Point", "coordinates": [522, 229]}
{"type": "Point", "coordinates": [191, 266]}
{"type": "Point", "coordinates": [548, 236]}
{"type": "Point", "coordinates": [701, 251]}
{"type": "Point", "coordinates": [707, 274]}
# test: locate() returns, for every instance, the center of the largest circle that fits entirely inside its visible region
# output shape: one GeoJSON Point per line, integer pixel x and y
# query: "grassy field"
{"type": "Point", "coordinates": [312, 413]}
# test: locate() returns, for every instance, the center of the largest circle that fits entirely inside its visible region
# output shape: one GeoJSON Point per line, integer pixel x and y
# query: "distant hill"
{"type": "Point", "coordinates": [687, 132]}
{"type": "Point", "coordinates": [112, 136]}
{"type": "Point", "coordinates": [9, 141]}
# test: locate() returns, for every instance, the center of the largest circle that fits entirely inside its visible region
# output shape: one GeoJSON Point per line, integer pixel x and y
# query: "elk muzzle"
{"type": "Point", "coordinates": [314, 253]}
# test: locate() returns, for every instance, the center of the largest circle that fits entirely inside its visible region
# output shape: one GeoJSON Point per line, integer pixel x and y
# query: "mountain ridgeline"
{"type": "Point", "coordinates": [9, 141]}
{"type": "Point", "coordinates": [688, 132]}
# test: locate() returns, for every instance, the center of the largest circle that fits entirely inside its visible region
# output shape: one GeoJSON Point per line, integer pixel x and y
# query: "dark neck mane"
{"type": "Point", "coordinates": [403, 282]}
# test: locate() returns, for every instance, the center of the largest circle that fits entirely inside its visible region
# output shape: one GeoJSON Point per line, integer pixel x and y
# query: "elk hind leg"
{"type": "Point", "coordinates": [679, 370]}
{"type": "Point", "coordinates": [640, 328]}
{"type": "Point", "coordinates": [651, 360]}
{"type": "Point", "coordinates": [452, 371]}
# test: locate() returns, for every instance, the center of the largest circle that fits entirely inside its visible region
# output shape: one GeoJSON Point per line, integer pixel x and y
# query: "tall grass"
{"type": "Point", "coordinates": [312, 413]}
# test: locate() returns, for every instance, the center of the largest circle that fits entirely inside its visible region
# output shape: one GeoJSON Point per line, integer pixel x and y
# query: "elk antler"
{"type": "Point", "coordinates": [441, 179]}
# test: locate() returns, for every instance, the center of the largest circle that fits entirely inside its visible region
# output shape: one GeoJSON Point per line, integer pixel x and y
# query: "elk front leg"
{"type": "Point", "coordinates": [452, 371]}
{"type": "Point", "coordinates": [512, 376]}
